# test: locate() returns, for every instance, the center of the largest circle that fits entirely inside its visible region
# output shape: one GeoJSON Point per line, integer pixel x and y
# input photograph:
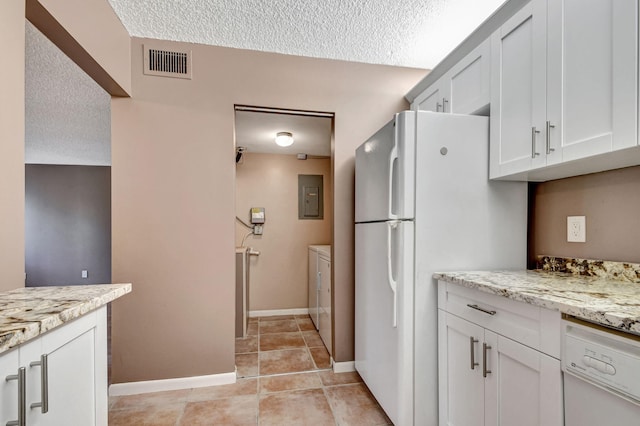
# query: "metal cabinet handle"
{"type": "Point", "coordinates": [549, 127]}
{"type": "Point", "coordinates": [44, 383]}
{"type": "Point", "coordinates": [485, 371]}
{"type": "Point", "coordinates": [21, 377]}
{"type": "Point", "coordinates": [444, 104]}
{"type": "Point", "coordinates": [472, 341]}
{"type": "Point", "coordinates": [478, 308]}
{"type": "Point", "coordinates": [533, 142]}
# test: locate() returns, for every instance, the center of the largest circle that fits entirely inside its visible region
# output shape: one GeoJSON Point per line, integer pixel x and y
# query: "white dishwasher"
{"type": "Point", "coordinates": [601, 375]}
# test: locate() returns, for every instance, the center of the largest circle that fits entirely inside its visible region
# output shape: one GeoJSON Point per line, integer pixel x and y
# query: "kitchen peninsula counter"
{"type": "Point", "coordinates": [26, 313]}
{"type": "Point", "coordinates": [607, 301]}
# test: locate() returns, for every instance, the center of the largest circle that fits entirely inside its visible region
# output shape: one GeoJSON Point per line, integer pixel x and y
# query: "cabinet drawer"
{"type": "Point", "coordinates": [530, 325]}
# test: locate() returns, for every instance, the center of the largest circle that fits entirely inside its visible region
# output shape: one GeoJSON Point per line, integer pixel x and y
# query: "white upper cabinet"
{"type": "Point", "coordinates": [592, 84]}
{"type": "Point", "coordinates": [518, 91]}
{"type": "Point", "coordinates": [470, 82]}
{"type": "Point", "coordinates": [463, 89]}
{"type": "Point", "coordinates": [432, 98]}
{"type": "Point", "coordinates": [564, 87]}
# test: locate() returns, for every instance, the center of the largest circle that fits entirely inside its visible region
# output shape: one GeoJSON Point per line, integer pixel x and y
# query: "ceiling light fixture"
{"type": "Point", "coordinates": [284, 138]}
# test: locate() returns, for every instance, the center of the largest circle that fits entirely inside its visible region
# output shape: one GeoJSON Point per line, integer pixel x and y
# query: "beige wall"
{"type": "Point", "coordinates": [173, 179]}
{"type": "Point", "coordinates": [611, 203]}
{"type": "Point", "coordinates": [12, 39]}
{"type": "Point", "coordinates": [279, 275]}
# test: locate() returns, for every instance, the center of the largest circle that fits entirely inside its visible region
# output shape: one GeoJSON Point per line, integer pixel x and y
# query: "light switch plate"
{"type": "Point", "coordinates": [576, 229]}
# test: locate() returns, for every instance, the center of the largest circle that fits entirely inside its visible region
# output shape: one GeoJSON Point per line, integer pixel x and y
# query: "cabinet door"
{"type": "Point", "coordinates": [524, 386]}
{"type": "Point", "coordinates": [470, 82]}
{"type": "Point", "coordinates": [432, 99]}
{"type": "Point", "coordinates": [9, 364]}
{"type": "Point", "coordinates": [73, 375]}
{"type": "Point", "coordinates": [71, 382]}
{"type": "Point", "coordinates": [592, 72]}
{"type": "Point", "coordinates": [461, 393]}
{"type": "Point", "coordinates": [324, 267]}
{"type": "Point", "coordinates": [518, 91]}
{"type": "Point", "coordinates": [30, 358]}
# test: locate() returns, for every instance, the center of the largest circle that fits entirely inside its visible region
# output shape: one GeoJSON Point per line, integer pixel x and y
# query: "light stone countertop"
{"type": "Point", "coordinates": [605, 301]}
{"type": "Point", "coordinates": [26, 313]}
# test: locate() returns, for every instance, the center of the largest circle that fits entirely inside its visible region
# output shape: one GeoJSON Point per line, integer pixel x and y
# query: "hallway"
{"type": "Point", "coordinates": [284, 378]}
{"type": "Point", "coordinates": [280, 344]}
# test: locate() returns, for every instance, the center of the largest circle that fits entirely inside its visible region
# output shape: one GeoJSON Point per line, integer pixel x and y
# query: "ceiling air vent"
{"type": "Point", "coordinates": [166, 63]}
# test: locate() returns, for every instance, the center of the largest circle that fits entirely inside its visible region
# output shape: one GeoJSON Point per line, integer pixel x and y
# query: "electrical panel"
{"type": "Point", "coordinates": [310, 197]}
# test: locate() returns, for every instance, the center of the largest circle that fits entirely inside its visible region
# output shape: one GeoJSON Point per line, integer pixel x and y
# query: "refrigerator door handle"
{"type": "Point", "coordinates": [393, 156]}
{"type": "Point", "coordinates": [392, 225]}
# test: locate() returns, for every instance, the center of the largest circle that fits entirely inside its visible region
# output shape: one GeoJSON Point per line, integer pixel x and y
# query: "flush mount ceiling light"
{"type": "Point", "coordinates": [284, 138]}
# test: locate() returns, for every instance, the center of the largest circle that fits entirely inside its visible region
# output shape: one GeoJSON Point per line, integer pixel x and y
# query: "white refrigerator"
{"type": "Point", "coordinates": [423, 204]}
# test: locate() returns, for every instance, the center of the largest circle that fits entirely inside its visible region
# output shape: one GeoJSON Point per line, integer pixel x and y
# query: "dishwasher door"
{"type": "Point", "coordinates": [601, 375]}
{"type": "Point", "coordinates": [586, 404]}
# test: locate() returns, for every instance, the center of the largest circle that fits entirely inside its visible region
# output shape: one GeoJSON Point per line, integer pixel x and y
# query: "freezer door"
{"type": "Point", "coordinates": [385, 172]}
{"type": "Point", "coordinates": [384, 315]}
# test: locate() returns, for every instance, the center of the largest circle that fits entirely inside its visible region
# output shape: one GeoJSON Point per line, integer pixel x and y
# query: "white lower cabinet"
{"type": "Point", "coordinates": [461, 383]}
{"type": "Point", "coordinates": [488, 379]}
{"type": "Point", "coordinates": [65, 375]}
{"type": "Point", "coordinates": [9, 386]}
{"type": "Point", "coordinates": [524, 387]}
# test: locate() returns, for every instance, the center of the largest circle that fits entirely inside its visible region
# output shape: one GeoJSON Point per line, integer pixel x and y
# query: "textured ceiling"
{"type": "Point", "coordinates": [256, 132]}
{"type": "Point", "coordinates": [413, 33]}
{"type": "Point", "coordinates": [67, 115]}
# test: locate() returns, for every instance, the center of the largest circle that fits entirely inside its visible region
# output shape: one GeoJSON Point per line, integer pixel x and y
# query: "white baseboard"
{"type": "Point", "coordinates": [134, 388]}
{"type": "Point", "coordinates": [344, 367]}
{"type": "Point", "coordinates": [272, 313]}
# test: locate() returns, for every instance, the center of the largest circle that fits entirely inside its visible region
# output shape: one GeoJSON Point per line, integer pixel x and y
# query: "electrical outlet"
{"type": "Point", "coordinates": [257, 229]}
{"type": "Point", "coordinates": [85, 273]}
{"type": "Point", "coordinates": [576, 229]}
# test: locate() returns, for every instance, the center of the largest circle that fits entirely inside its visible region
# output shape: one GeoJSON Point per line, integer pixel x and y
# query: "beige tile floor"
{"type": "Point", "coordinates": [284, 378]}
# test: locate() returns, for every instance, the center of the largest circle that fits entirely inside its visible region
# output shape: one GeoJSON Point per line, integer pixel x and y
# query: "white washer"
{"type": "Point", "coordinates": [315, 280]}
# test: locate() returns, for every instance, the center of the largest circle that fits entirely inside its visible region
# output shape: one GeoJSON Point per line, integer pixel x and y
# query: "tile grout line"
{"type": "Point", "coordinates": [335, 420]}
{"type": "Point", "coordinates": [313, 361]}
{"type": "Point", "coordinates": [184, 407]}
{"type": "Point", "coordinates": [258, 378]}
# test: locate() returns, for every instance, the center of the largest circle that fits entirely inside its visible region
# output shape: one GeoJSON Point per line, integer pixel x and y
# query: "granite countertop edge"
{"type": "Point", "coordinates": [604, 301]}
{"type": "Point", "coordinates": [26, 313]}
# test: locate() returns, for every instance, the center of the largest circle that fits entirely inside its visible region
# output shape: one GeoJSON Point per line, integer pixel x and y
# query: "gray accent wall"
{"type": "Point", "coordinates": [67, 224]}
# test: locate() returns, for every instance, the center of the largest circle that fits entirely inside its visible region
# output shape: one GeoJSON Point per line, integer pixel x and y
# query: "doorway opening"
{"type": "Point", "coordinates": [284, 212]}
